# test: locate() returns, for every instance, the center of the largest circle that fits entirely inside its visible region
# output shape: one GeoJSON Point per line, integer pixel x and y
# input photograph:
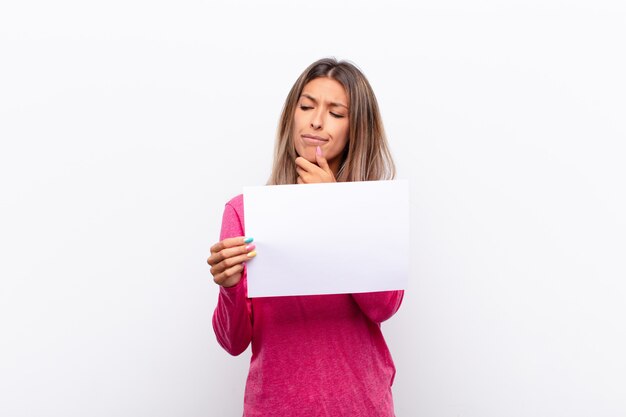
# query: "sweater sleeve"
{"type": "Point", "coordinates": [379, 306]}
{"type": "Point", "coordinates": [232, 319]}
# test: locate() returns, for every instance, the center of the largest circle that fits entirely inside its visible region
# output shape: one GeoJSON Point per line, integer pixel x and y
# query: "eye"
{"type": "Point", "coordinates": [337, 116]}
{"type": "Point", "coordinates": [305, 108]}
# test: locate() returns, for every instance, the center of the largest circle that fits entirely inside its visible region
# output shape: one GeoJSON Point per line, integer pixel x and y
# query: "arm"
{"type": "Point", "coordinates": [379, 306]}
{"type": "Point", "coordinates": [232, 319]}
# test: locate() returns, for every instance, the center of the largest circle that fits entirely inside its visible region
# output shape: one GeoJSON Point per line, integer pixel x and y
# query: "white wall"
{"type": "Point", "coordinates": [125, 126]}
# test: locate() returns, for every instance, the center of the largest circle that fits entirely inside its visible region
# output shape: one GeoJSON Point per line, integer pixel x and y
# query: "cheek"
{"type": "Point", "coordinates": [297, 121]}
{"type": "Point", "coordinates": [342, 136]}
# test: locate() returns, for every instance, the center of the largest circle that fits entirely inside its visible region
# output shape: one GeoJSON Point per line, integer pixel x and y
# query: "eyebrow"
{"type": "Point", "coordinates": [332, 103]}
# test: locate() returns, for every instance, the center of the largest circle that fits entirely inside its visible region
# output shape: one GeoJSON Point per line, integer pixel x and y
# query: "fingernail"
{"type": "Point", "coordinates": [252, 254]}
{"type": "Point", "coordinates": [250, 247]}
{"type": "Point", "coordinates": [318, 150]}
{"type": "Point", "coordinates": [248, 240]}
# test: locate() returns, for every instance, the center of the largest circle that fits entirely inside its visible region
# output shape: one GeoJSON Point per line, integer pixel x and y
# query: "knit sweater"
{"type": "Point", "coordinates": [321, 355]}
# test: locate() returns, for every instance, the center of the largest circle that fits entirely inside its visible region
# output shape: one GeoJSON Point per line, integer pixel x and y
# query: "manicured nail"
{"type": "Point", "coordinates": [252, 254]}
{"type": "Point", "coordinates": [248, 240]}
{"type": "Point", "coordinates": [318, 150]}
{"type": "Point", "coordinates": [250, 247]}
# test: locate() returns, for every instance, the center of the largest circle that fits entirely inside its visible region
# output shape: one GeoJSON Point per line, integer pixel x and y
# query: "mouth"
{"type": "Point", "coordinates": [313, 140]}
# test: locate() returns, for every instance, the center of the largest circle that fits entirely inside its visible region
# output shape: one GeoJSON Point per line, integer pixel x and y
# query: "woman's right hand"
{"type": "Point", "coordinates": [227, 259]}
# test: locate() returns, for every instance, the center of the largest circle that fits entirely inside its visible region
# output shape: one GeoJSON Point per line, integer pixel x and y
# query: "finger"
{"type": "Point", "coordinates": [228, 243]}
{"type": "Point", "coordinates": [216, 258]}
{"type": "Point", "coordinates": [221, 279]}
{"type": "Point", "coordinates": [300, 181]}
{"type": "Point", "coordinates": [217, 254]}
{"type": "Point", "coordinates": [308, 171]}
{"type": "Point", "coordinates": [228, 263]}
{"type": "Point", "coordinates": [305, 164]}
{"type": "Point", "coordinates": [321, 160]}
{"type": "Point", "coordinates": [306, 176]}
{"type": "Point", "coordinates": [238, 250]}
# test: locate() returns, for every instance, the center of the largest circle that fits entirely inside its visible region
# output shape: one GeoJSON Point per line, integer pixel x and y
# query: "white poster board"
{"type": "Point", "coordinates": [328, 238]}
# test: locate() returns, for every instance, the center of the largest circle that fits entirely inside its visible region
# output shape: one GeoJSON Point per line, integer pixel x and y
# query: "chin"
{"type": "Point", "coordinates": [307, 153]}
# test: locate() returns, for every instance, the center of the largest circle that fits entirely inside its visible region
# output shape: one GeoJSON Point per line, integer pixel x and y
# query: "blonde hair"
{"type": "Point", "coordinates": [366, 156]}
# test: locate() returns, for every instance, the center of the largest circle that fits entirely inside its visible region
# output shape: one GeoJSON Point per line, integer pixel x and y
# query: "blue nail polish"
{"type": "Point", "coordinates": [248, 240]}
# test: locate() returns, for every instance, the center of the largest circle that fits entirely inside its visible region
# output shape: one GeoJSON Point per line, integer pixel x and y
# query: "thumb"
{"type": "Point", "coordinates": [321, 161]}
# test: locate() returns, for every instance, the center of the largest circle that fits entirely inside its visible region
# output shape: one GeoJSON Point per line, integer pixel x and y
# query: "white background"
{"type": "Point", "coordinates": [126, 125]}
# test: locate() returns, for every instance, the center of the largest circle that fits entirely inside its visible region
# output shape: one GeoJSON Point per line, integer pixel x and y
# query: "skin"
{"type": "Point", "coordinates": [320, 135]}
{"type": "Point", "coordinates": [227, 259]}
{"type": "Point", "coordinates": [322, 112]}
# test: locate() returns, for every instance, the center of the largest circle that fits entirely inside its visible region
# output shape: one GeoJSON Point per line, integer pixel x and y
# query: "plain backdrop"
{"type": "Point", "coordinates": [126, 125]}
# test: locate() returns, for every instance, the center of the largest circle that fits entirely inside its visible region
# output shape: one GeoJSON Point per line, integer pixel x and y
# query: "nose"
{"type": "Point", "coordinates": [316, 120]}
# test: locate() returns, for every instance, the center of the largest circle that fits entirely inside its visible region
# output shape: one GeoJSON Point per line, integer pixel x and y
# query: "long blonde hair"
{"type": "Point", "coordinates": [366, 156]}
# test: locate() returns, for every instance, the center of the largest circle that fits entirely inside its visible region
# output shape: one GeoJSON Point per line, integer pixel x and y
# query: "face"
{"type": "Point", "coordinates": [322, 119]}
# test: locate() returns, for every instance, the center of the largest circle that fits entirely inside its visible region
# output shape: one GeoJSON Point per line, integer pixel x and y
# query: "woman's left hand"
{"type": "Point", "coordinates": [310, 173]}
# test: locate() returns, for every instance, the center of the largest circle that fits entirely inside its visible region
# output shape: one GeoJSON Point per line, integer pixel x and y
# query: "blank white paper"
{"type": "Point", "coordinates": [334, 238]}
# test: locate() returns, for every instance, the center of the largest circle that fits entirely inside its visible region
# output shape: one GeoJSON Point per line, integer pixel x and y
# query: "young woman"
{"type": "Point", "coordinates": [312, 355]}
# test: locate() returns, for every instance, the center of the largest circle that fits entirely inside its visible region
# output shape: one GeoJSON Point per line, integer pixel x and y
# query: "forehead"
{"type": "Point", "coordinates": [326, 89]}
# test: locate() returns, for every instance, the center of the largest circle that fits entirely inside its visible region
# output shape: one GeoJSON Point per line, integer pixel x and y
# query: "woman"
{"type": "Point", "coordinates": [312, 355]}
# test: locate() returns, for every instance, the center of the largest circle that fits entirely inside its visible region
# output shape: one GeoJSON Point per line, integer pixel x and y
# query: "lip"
{"type": "Point", "coordinates": [313, 139]}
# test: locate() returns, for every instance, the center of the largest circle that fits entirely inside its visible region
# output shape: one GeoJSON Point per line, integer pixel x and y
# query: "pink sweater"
{"type": "Point", "coordinates": [312, 356]}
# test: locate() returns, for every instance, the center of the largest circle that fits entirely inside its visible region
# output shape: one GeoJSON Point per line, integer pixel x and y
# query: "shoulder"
{"type": "Point", "coordinates": [236, 203]}
{"type": "Point", "coordinates": [233, 220]}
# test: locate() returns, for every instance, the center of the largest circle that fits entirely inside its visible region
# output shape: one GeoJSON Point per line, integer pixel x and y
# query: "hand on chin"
{"type": "Point", "coordinates": [310, 172]}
